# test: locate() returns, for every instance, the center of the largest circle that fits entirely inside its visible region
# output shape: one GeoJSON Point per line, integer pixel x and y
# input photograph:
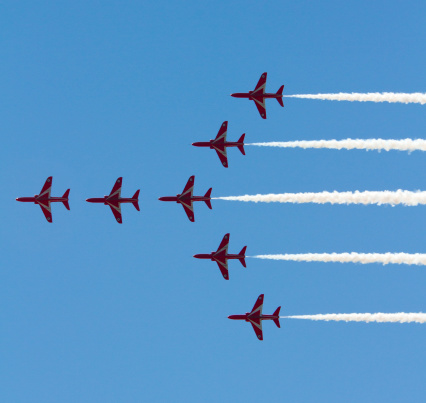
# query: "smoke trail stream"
{"type": "Point", "coordinates": [351, 144]}
{"type": "Point", "coordinates": [400, 317]}
{"type": "Point", "coordinates": [393, 198]}
{"type": "Point", "coordinates": [364, 258]}
{"type": "Point", "coordinates": [417, 97]}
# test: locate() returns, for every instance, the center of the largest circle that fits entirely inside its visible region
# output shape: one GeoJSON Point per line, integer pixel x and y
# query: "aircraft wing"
{"type": "Point", "coordinates": [258, 306]}
{"type": "Point", "coordinates": [261, 84]}
{"type": "Point", "coordinates": [224, 244]}
{"type": "Point", "coordinates": [260, 105]}
{"type": "Point", "coordinates": [223, 267]}
{"type": "Point", "coordinates": [255, 321]}
{"type": "Point", "coordinates": [116, 210]}
{"type": "Point", "coordinates": [45, 208]}
{"type": "Point", "coordinates": [221, 153]}
{"type": "Point", "coordinates": [219, 144]}
{"type": "Point", "coordinates": [221, 135]}
{"type": "Point", "coordinates": [220, 257]}
{"type": "Point", "coordinates": [116, 190]}
{"type": "Point", "coordinates": [189, 209]}
{"type": "Point", "coordinates": [45, 191]}
{"type": "Point", "coordinates": [257, 327]}
{"type": "Point", "coordinates": [189, 187]}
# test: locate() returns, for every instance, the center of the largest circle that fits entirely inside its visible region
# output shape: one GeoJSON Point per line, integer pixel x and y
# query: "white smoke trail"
{"type": "Point", "coordinates": [364, 258]}
{"type": "Point", "coordinates": [400, 317]}
{"type": "Point", "coordinates": [404, 197]}
{"type": "Point", "coordinates": [416, 98]}
{"type": "Point", "coordinates": [351, 144]}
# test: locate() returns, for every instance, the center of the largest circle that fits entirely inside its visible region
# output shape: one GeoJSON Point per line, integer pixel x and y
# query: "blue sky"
{"type": "Point", "coordinates": [93, 311]}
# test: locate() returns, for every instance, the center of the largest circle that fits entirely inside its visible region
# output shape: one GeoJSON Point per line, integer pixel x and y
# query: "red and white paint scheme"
{"type": "Point", "coordinates": [258, 95]}
{"type": "Point", "coordinates": [255, 317]}
{"type": "Point", "coordinates": [43, 199]}
{"type": "Point", "coordinates": [114, 200]}
{"type": "Point", "coordinates": [221, 256]}
{"type": "Point", "coordinates": [219, 144]}
{"type": "Point", "coordinates": [186, 198]}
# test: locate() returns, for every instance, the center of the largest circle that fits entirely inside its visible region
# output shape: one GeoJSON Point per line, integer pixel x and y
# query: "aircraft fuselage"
{"type": "Point", "coordinates": [218, 256]}
{"type": "Point", "coordinates": [179, 199]}
{"type": "Point", "coordinates": [107, 199]}
{"type": "Point", "coordinates": [255, 317]}
{"type": "Point", "coordinates": [213, 143]}
{"type": "Point", "coordinates": [251, 96]}
{"type": "Point", "coordinates": [37, 199]}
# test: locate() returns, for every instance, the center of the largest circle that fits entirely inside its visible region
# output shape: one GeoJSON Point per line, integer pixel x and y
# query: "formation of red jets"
{"type": "Point", "coordinates": [186, 199]}
{"type": "Point", "coordinates": [114, 199]}
{"type": "Point", "coordinates": [258, 96]}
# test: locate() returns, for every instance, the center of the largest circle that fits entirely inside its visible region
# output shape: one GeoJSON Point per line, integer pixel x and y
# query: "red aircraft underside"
{"type": "Point", "coordinates": [186, 198]}
{"type": "Point", "coordinates": [43, 199]}
{"type": "Point", "coordinates": [221, 256]}
{"type": "Point", "coordinates": [255, 317]}
{"type": "Point", "coordinates": [258, 95]}
{"type": "Point", "coordinates": [219, 144]}
{"type": "Point", "coordinates": [114, 200]}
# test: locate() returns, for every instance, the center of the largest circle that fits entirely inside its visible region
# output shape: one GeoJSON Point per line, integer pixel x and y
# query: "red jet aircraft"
{"type": "Point", "coordinates": [219, 144]}
{"type": "Point", "coordinates": [221, 256]}
{"type": "Point", "coordinates": [44, 199]}
{"type": "Point", "coordinates": [255, 317]}
{"type": "Point", "coordinates": [114, 200]}
{"type": "Point", "coordinates": [258, 95]}
{"type": "Point", "coordinates": [186, 198]}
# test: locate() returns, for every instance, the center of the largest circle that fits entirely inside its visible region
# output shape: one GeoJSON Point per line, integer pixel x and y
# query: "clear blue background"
{"type": "Point", "coordinates": [93, 311]}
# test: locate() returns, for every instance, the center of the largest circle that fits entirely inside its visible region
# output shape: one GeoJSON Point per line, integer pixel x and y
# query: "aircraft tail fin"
{"type": "Point", "coordinates": [65, 196]}
{"type": "Point", "coordinates": [136, 203]}
{"type": "Point", "coordinates": [209, 195]}
{"type": "Point", "coordinates": [241, 147]}
{"type": "Point", "coordinates": [280, 92]}
{"type": "Point", "coordinates": [277, 314]}
{"type": "Point", "coordinates": [243, 253]}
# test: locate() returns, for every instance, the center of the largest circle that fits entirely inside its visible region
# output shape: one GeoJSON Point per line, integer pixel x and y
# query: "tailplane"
{"type": "Point", "coordinates": [277, 314]}
{"type": "Point", "coordinates": [243, 253]}
{"type": "Point", "coordinates": [136, 203]}
{"type": "Point", "coordinates": [280, 93]}
{"type": "Point", "coordinates": [208, 202]}
{"type": "Point", "coordinates": [65, 196]}
{"type": "Point", "coordinates": [241, 147]}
